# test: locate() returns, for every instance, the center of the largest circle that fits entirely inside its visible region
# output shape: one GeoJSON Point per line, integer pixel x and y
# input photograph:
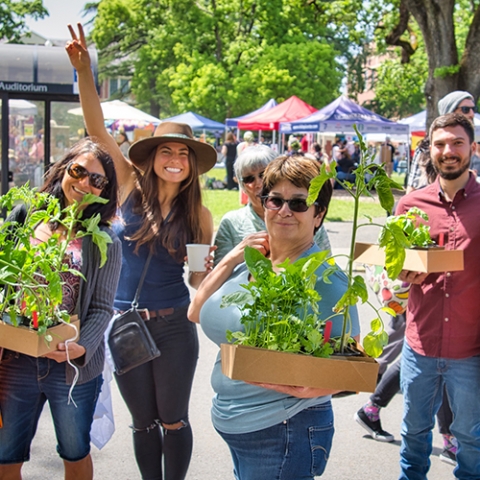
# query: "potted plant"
{"type": "Point", "coordinates": [30, 272]}
{"type": "Point", "coordinates": [275, 307]}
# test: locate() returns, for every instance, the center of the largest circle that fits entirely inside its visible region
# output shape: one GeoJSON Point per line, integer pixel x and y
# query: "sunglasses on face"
{"type": "Point", "coordinates": [298, 205]}
{"type": "Point", "coordinates": [466, 110]}
{"type": "Point", "coordinates": [78, 172]}
{"type": "Point", "coordinates": [251, 178]}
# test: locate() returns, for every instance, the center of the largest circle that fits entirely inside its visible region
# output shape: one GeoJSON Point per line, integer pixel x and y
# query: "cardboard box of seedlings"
{"type": "Point", "coordinates": [352, 373]}
{"type": "Point", "coordinates": [26, 340]}
{"type": "Point", "coordinates": [428, 260]}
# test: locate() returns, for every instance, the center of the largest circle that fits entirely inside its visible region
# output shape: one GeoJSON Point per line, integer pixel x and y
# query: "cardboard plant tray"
{"type": "Point", "coordinates": [352, 373]}
{"type": "Point", "coordinates": [429, 260]}
{"type": "Point", "coordinates": [26, 340]}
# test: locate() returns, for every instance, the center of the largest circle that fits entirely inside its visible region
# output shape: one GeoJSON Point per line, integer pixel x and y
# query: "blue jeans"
{"type": "Point", "coordinates": [26, 383]}
{"type": "Point", "coordinates": [296, 449]}
{"type": "Point", "coordinates": [422, 380]}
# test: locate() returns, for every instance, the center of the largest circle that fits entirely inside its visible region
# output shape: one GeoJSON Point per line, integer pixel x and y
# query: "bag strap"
{"type": "Point", "coordinates": [140, 282]}
{"type": "Point", "coordinates": [145, 268]}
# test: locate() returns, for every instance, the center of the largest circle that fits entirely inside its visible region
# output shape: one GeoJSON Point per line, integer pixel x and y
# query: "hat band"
{"type": "Point", "coordinates": [177, 135]}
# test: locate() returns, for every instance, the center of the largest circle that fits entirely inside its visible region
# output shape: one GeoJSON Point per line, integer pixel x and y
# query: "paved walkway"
{"type": "Point", "coordinates": [354, 455]}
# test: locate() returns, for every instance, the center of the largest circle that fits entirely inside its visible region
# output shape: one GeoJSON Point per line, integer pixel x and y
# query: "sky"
{"type": "Point", "coordinates": [61, 12]}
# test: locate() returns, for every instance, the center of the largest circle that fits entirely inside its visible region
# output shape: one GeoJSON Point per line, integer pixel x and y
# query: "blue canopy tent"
{"type": "Point", "coordinates": [340, 116]}
{"type": "Point", "coordinates": [233, 122]}
{"type": "Point", "coordinates": [197, 122]}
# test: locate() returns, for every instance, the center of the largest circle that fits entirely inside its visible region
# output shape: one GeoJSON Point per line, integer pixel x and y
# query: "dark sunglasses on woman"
{"type": "Point", "coordinates": [78, 172]}
{"type": "Point", "coordinates": [251, 178]}
{"type": "Point", "coordinates": [298, 205]}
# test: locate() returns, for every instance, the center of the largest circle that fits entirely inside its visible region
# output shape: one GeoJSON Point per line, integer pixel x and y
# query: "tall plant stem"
{"type": "Point", "coordinates": [346, 312]}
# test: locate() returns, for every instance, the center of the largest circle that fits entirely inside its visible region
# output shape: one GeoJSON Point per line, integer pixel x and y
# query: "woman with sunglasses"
{"type": "Point", "coordinates": [273, 431]}
{"type": "Point", "coordinates": [161, 211]}
{"type": "Point", "coordinates": [87, 168]}
{"type": "Point", "coordinates": [238, 224]}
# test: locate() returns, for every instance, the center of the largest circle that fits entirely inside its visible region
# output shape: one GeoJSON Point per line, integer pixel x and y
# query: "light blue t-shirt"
{"type": "Point", "coordinates": [239, 407]}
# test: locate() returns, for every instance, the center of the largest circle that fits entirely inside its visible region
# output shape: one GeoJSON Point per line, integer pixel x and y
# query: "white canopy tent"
{"type": "Point", "coordinates": [417, 122]}
{"type": "Point", "coordinates": [22, 107]}
{"type": "Point", "coordinates": [118, 110]}
{"type": "Point", "coordinates": [380, 137]}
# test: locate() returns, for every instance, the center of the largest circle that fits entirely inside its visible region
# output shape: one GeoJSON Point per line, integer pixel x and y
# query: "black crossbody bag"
{"type": "Point", "coordinates": [130, 342]}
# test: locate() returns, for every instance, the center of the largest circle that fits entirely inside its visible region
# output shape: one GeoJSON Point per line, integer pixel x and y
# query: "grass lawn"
{"type": "Point", "coordinates": [341, 210]}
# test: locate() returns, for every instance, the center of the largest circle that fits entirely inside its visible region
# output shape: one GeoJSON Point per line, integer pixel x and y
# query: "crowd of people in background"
{"type": "Point", "coordinates": [345, 152]}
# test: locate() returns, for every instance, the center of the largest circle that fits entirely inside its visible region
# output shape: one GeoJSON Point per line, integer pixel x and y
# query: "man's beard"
{"type": "Point", "coordinates": [455, 174]}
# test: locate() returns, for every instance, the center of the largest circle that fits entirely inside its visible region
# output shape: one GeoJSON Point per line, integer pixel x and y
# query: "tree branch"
{"type": "Point", "coordinates": [394, 37]}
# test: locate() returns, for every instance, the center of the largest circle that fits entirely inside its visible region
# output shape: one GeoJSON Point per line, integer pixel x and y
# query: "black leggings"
{"type": "Point", "coordinates": [158, 393]}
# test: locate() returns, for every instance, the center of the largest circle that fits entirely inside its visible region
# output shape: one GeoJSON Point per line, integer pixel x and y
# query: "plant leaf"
{"type": "Point", "coordinates": [317, 183]}
{"type": "Point", "coordinates": [236, 299]}
{"type": "Point", "coordinates": [256, 262]}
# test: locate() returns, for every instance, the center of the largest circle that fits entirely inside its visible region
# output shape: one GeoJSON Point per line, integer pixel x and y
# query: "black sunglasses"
{"type": "Point", "coordinates": [251, 178]}
{"type": "Point", "coordinates": [78, 172]}
{"type": "Point", "coordinates": [298, 205]}
{"type": "Point", "coordinates": [466, 110]}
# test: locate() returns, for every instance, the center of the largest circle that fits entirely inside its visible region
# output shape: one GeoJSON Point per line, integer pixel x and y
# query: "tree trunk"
{"type": "Point", "coordinates": [469, 75]}
{"type": "Point", "coordinates": [435, 19]}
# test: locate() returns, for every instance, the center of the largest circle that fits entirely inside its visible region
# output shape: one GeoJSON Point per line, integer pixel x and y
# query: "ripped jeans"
{"type": "Point", "coordinates": [158, 393]}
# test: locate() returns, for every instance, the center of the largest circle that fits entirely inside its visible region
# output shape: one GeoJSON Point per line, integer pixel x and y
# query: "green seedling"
{"type": "Point", "coordinates": [31, 272]}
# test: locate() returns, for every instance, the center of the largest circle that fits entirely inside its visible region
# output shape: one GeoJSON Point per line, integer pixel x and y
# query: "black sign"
{"type": "Point", "coordinates": [32, 88]}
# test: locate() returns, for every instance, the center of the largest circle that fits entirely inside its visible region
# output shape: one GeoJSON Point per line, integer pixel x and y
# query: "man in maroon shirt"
{"type": "Point", "coordinates": [442, 342]}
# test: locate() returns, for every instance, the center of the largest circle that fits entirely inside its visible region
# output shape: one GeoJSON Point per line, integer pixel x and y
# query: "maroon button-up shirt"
{"type": "Point", "coordinates": [443, 314]}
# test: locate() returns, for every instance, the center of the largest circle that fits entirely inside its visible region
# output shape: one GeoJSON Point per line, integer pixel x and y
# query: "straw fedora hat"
{"type": "Point", "coordinates": [205, 154]}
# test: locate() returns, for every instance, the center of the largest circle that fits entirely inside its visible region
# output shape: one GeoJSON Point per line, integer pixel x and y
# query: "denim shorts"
{"type": "Point", "coordinates": [26, 383]}
{"type": "Point", "coordinates": [295, 449]}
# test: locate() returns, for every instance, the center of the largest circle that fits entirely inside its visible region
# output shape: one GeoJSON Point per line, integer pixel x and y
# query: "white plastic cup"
{"type": "Point", "coordinates": [196, 253]}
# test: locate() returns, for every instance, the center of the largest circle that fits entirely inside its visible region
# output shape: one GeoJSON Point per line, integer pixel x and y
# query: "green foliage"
{"type": "Point", "coordinates": [31, 272]}
{"type": "Point", "coordinates": [377, 338]}
{"type": "Point", "coordinates": [220, 58]}
{"type": "Point", "coordinates": [356, 289]}
{"type": "Point", "coordinates": [446, 71]}
{"type": "Point", "coordinates": [13, 14]}
{"type": "Point", "coordinates": [399, 87]}
{"type": "Point", "coordinates": [317, 183]}
{"type": "Point", "coordinates": [401, 80]}
{"type": "Point", "coordinates": [280, 309]}
{"type": "Point", "coordinates": [401, 232]}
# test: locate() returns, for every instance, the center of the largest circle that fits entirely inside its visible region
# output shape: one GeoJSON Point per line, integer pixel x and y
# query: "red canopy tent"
{"type": "Point", "coordinates": [287, 111]}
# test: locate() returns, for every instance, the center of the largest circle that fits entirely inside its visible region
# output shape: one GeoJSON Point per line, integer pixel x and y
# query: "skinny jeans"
{"type": "Point", "coordinates": [158, 393]}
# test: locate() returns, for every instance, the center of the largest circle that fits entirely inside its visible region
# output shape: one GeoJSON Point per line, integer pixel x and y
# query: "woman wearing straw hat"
{"type": "Point", "coordinates": [161, 210]}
